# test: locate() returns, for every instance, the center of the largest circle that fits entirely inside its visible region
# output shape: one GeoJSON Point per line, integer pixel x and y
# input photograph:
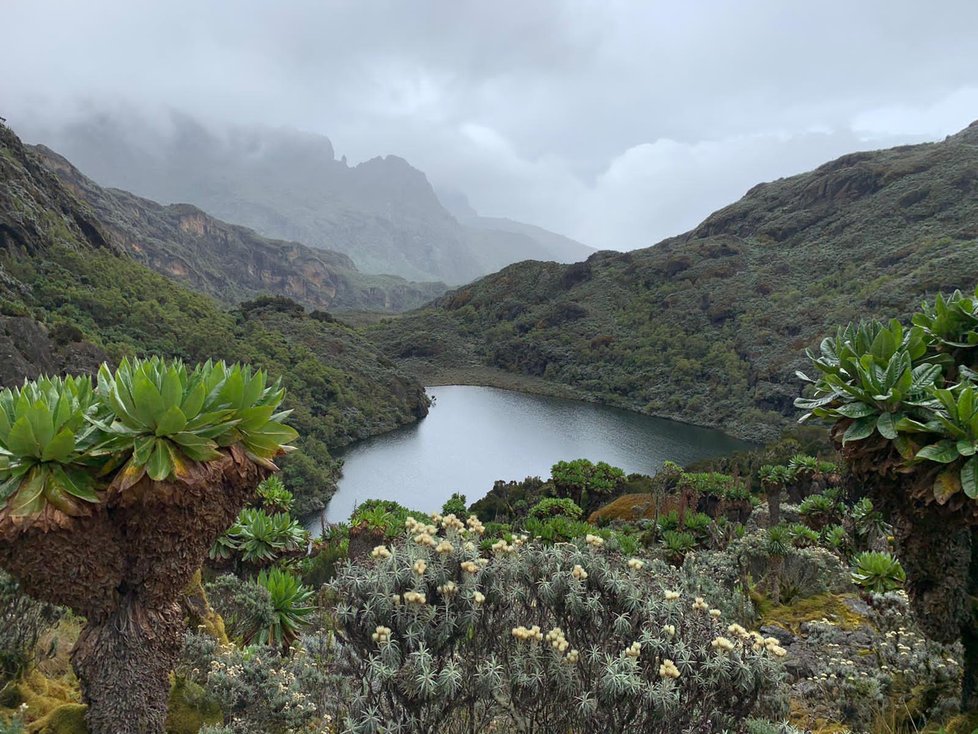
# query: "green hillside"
{"type": "Point", "coordinates": [709, 327]}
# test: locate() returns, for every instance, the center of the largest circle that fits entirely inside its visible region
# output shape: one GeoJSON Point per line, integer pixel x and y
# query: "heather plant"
{"type": "Point", "coordinates": [259, 690]}
{"type": "Point", "coordinates": [746, 563]}
{"type": "Point", "coordinates": [897, 673]}
{"type": "Point", "coordinates": [538, 638]}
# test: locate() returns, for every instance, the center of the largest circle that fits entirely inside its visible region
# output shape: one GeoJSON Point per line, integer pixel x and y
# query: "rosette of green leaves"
{"type": "Point", "coordinates": [261, 538]}
{"type": "Point", "coordinates": [46, 447]}
{"type": "Point", "coordinates": [878, 572]}
{"type": "Point", "coordinates": [955, 420]}
{"type": "Point", "coordinates": [170, 418]}
{"type": "Point", "coordinates": [292, 608]}
{"type": "Point", "coordinates": [950, 322]}
{"type": "Point", "coordinates": [165, 416]}
{"type": "Point", "coordinates": [257, 424]}
{"type": "Point", "coordinates": [869, 373]}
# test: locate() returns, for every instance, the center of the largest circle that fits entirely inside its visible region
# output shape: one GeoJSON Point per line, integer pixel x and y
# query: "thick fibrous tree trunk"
{"type": "Point", "coordinates": [124, 569]}
{"type": "Point", "coordinates": [934, 542]}
{"type": "Point", "coordinates": [936, 555]}
{"type": "Point", "coordinates": [123, 664]}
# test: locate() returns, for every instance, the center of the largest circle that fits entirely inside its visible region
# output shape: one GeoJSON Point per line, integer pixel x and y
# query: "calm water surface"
{"type": "Point", "coordinates": [476, 435]}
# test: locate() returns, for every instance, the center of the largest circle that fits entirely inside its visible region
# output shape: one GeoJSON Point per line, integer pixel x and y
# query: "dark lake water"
{"type": "Point", "coordinates": [476, 435]}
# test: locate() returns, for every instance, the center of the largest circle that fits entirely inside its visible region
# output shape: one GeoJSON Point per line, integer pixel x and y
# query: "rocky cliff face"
{"type": "Point", "coordinates": [383, 213]}
{"type": "Point", "coordinates": [231, 262]}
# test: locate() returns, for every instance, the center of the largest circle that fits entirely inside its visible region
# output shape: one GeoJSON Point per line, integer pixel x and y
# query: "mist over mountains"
{"type": "Point", "coordinates": [383, 213]}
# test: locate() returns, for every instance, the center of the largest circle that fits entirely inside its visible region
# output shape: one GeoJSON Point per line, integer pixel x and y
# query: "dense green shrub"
{"type": "Point", "coordinates": [455, 505]}
{"type": "Point", "coordinates": [553, 507]}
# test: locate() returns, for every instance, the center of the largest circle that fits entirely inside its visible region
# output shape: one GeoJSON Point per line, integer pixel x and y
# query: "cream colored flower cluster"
{"type": "Point", "coordinates": [578, 572]}
{"type": "Point", "coordinates": [475, 525]}
{"type": "Point", "coordinates": [470, 566]}
{"type": "Point", "coordinates": [532, 634]}
{"type": "Point", "coordinates": [557, 640]}
{"type": "Point", "coordinates": [699, 605]}
{"type": "Point", "coordinates": [450, 522]}
{"type": "Point", "coordinates": [381, 551]}
{"type": "Point", "coordinates": [669, 630]}
{"type": "Point", "coordinates": [595, 541]}
{"type": "Point", "coordinates": [423, 534]}
{"type": "Point", "coordinates": [444, 548]}
{"type": "Point", "coordinates": [501, 546]}
{"type": "Point", "coordinates": [478, 597]}
{"type": "Point", "coordinates": [420, 566]}
{"type": "Point", "coordinates": [448, 588]}
{"type": "Point", "coordinates": [722, 643]}
{"type": "Point", "coordinates": [382, 634]}
{"type": "Point", "coordinates": [770, 644]}
{"type": "Point", "coordinates": [671, 595]}
{"type": "Point", "coordinates": [415, 597]}
{"type": "Point", "coordinates": [634, 650]}
{"type": "Point", "coordinates": [668, 669]}
{"type": "Point", "coordinates": [636, 564]}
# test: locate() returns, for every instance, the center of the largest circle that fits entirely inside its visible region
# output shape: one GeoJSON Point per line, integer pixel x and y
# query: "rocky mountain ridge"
{"type": "Point", "coordinates": [231, 262]}
{"type": "Point", "coordinates": [383, 212]}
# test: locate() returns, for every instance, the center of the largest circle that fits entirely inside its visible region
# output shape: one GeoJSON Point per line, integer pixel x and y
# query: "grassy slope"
{"type": "Point", "coordinates": [709, 327]}
{"type": "Point", "coordinates": [58, 268]}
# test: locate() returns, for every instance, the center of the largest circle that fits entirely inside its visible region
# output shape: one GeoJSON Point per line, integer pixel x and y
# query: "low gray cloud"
{"type": "Point", "coordinates": [618, 123]}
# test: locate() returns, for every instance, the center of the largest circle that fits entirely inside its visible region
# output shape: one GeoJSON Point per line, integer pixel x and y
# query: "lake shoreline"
{"type": "Point", "coordinates": [479, 434]}
{"type": "Point", "coordinates": [484, 376]}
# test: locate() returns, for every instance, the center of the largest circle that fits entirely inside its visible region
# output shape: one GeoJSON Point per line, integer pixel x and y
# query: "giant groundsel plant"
{"type": "Point", "coordinates": [903, 403]}
{"type": "Point", "coordinates": [110, 497]}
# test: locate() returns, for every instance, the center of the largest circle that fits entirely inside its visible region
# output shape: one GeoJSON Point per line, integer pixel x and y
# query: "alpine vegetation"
{"type": "Point", "coordinates": [571, 637]}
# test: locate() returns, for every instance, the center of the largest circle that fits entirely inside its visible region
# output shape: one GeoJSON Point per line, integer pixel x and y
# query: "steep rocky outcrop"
{"type": "Point", "coordinates": [231, 262]}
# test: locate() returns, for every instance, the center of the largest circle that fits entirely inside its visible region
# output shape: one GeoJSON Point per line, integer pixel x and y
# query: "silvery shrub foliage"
{"type": "Point", "coordinates": [535, 639]}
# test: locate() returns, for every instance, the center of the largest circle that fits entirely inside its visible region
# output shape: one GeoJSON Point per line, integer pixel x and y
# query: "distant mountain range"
{"type": "Point", "coordinates": [230, 262]}
{"type": "Point", "coordinates": [382, 213]}
{"type": "Point", "coordinates": [710, 326]}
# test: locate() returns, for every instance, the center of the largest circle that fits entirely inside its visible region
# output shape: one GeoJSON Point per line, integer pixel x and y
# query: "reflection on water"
{"type": "Point", "coordinates": [476, 435]}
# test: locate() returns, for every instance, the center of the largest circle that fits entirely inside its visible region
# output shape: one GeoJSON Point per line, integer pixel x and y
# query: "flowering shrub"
{"type": "Point", "coordinates": [259, 690]}
{"type": "Point", "coordinates": [537, 638]}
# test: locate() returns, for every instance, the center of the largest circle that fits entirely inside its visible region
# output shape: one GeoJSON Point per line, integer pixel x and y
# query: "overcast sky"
{"type": "Point", "coordinates": [617, 123]}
